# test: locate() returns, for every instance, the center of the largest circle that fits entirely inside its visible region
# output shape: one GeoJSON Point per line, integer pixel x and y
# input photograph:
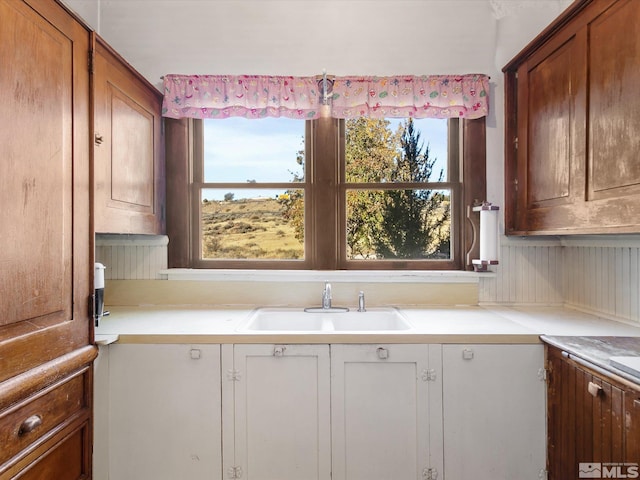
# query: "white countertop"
{"type": "Point", "coordinates": [463, 324]}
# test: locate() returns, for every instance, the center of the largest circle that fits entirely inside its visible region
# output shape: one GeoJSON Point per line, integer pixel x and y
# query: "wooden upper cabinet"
{"type": "Point", "coordinates": [128, 148]}
{"type": "Point", "coordinates": [45, 237]}
{"type": "Point", "coordinates": [572, 117]}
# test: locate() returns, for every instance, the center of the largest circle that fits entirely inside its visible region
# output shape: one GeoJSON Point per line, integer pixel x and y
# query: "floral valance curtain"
{"type": "Point", "coordinates": [436, 96]}
{"type": "Point", "coordinates": [258, 96]}
{"type": "Point", "coordinates": [250, 96]}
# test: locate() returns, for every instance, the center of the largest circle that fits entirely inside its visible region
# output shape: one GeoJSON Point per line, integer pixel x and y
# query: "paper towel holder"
{"type": "Point", "coordinates": [488, 236]}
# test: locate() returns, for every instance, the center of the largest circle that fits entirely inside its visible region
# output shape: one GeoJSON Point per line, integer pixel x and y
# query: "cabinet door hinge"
{"type": "Point", "coordinates": [234, 472]}
{"type": "Point", "coordinates": [92, 307]}
{"type": "Point", "coordinates": [233, 375]}
{"type": "Point", "coordinates": [430, 473]}
{"type": "Point", "coordinates": [429, 375]}
{"type": "Point", "coordinates": [515, 143]}
{"type": "Point", "coordinates": [91, 60]}
{"type": "Point", "coordinates": [543, 474]}
{"type": "Point", "coordinates": [542, 374]}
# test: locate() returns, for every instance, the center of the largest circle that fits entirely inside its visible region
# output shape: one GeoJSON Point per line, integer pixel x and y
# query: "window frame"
{"type": "Point", "coordinates": [325, 228]}
{"type": "Point", "coordinates": [198, 184]}
{"type": "Point", "coordinates": [453, 168]}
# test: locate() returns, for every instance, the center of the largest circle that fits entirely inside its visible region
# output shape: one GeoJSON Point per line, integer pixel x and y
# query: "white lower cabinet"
{"type": "Point", "coordinates": [494, 412]}
{"type": "Point", "coordinates": [276, 413]}
{"type": "Point", "coordinates": [386, 412]}
{"type": "Point", "coordinates": [164, 412]}
{"type": "Point", "coordinates": [322, 412]}
{"type": "Point", "coordinates": [345, 412]}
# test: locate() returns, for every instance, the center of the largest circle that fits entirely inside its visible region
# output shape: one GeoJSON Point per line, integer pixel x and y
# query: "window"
{"type": "Point", "coordinates": [248, 182]}
{"type": "Point", "coordinates": [399, 185]}
{"type": "Point", "coordinates": [324, 194]}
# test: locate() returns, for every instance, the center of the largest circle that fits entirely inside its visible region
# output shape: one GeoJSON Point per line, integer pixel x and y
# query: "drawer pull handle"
{"type": "Point", "coordinates": [29, 425]}
{"type": "Point", "coordinates": [594, 389]}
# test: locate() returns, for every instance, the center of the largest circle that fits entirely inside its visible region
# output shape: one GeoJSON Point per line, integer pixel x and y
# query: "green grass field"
{"type": "Point", "coordinates": [248, 229]}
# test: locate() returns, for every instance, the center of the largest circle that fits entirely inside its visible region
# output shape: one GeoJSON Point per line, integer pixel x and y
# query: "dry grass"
{"type": "Point", "coordinates": [248, 229]}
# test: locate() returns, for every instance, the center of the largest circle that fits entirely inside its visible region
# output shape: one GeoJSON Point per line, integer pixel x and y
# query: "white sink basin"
{"type": "Point", "coordinates": [371, 320]}
{"type": "Point", "coordinates": [289, 320]}
{"type": "Point", "coordinates": [266, 319]}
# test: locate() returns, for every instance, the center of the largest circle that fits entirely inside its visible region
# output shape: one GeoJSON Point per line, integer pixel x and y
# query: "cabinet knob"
{"type": "Point", "coordinates": [594, 389]}
{"type": "Point", "coordinates": [383, 353]}
{"type": "Point", "coordinates": [29, 425]}
{"type": "Point", "coordinates": [278, 350]}
{"type": "Point", "coordinates": [98, 139]}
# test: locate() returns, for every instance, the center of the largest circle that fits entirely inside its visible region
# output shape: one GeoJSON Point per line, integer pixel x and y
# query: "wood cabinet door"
{"type": "Point", "coordinates": [128, 148]}
{"type": "Point", "coordinates": [494, 411]}
{"type": "Point", "coordinates": [614, 105]}
{"type": "Point", "coordinates": [281, 413]}
{"type": "Point", "coordinates": [551, 135]}
{"type": "Point", "coordinates": [44, 166]}
{"type": "Point", "coordinates": [386, 412]}
{"type": "Point", "coordinates": [164, 412]}
{"type": "Point", "coordinates": [585, 418]}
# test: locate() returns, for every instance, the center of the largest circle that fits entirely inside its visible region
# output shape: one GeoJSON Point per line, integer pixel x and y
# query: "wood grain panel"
{"type": "Point", "coordinates": [132, 152]}
{"type": "Point", "coordinates": [67, 460]}
{"type": "Point", "coordinates": [550, 127]}
{"type": "Point", "coordinates": [585, 427]}
{"type": "Point", "coordinates": [632, 426]}
{"type": "Point", "coordinates": [37, 158]}
{"type": "Point", "coordinates": [52, 406]}
{"type": "Point", "coordinates": [129, 174]}
{"type": "Point", "coordinates": [45, 215]}
{"type": "Point", "coordinates": [614, 123]}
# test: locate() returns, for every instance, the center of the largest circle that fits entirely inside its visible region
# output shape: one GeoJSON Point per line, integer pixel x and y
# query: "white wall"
{"type": "Point", "coordinates": [383, 37]}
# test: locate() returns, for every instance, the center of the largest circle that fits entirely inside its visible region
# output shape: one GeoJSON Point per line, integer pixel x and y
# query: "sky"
{"type": "Point", "coordinates": [238, 150]}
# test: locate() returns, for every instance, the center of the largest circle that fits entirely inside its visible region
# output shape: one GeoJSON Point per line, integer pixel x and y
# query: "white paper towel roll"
{"type": "Point", "coordinates": [488, 234]}
{"type": "Point", "coordinates": [98, 275]}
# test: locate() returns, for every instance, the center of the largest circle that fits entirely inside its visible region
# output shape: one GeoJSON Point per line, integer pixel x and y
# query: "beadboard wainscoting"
{"type": "Point", "coordinates": [132, 257]}
{"type": "Point", "coordinates": [530, 272]}
{"type": "Point", "coordinates": [596, 274]}
{"type": "Point", "coordinates": [602, 276]}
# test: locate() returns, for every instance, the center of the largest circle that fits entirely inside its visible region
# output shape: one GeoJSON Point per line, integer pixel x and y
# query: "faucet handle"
{"type": "Point", "coordinates": [361, 307]}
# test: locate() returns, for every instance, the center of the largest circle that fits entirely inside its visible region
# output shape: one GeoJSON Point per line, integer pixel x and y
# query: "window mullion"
{"type": "Point", "coordinates": [325, 150]}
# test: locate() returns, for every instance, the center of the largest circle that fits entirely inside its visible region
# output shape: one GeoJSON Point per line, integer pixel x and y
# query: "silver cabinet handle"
{"type": "Point", "coordinates": [29, 425]}
{"type": "Point", "coordinates": [383, 353]}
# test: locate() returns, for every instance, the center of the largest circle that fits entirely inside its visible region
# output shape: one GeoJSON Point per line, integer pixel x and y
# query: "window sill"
{"type": "Point", "coordinates": [378, 276]}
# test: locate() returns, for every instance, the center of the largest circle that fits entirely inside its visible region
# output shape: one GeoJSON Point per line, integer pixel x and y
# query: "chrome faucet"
{"type": "Point", "coordinates": [326, 296]}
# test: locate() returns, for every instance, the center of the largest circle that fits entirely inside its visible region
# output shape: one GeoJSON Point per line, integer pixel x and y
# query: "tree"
{"type": "Point", "coordinates": [370, 148]}
{"type": "Point", "coordinates": [413, 219]}
{"type": "Point", "coordinates": [228, 196]}
{"type": "Point", "coordinates": [292, 201]}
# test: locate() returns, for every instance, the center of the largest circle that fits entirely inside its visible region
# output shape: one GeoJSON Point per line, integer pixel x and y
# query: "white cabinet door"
{"type": "Point", "coordinates": [494, 412]}
{"type": "Point", "coordinates": [164, 412]}
{"type": "Point", "coordinates": [386, 412]}
{"type": "Point", "coordinates": [281, 412]}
